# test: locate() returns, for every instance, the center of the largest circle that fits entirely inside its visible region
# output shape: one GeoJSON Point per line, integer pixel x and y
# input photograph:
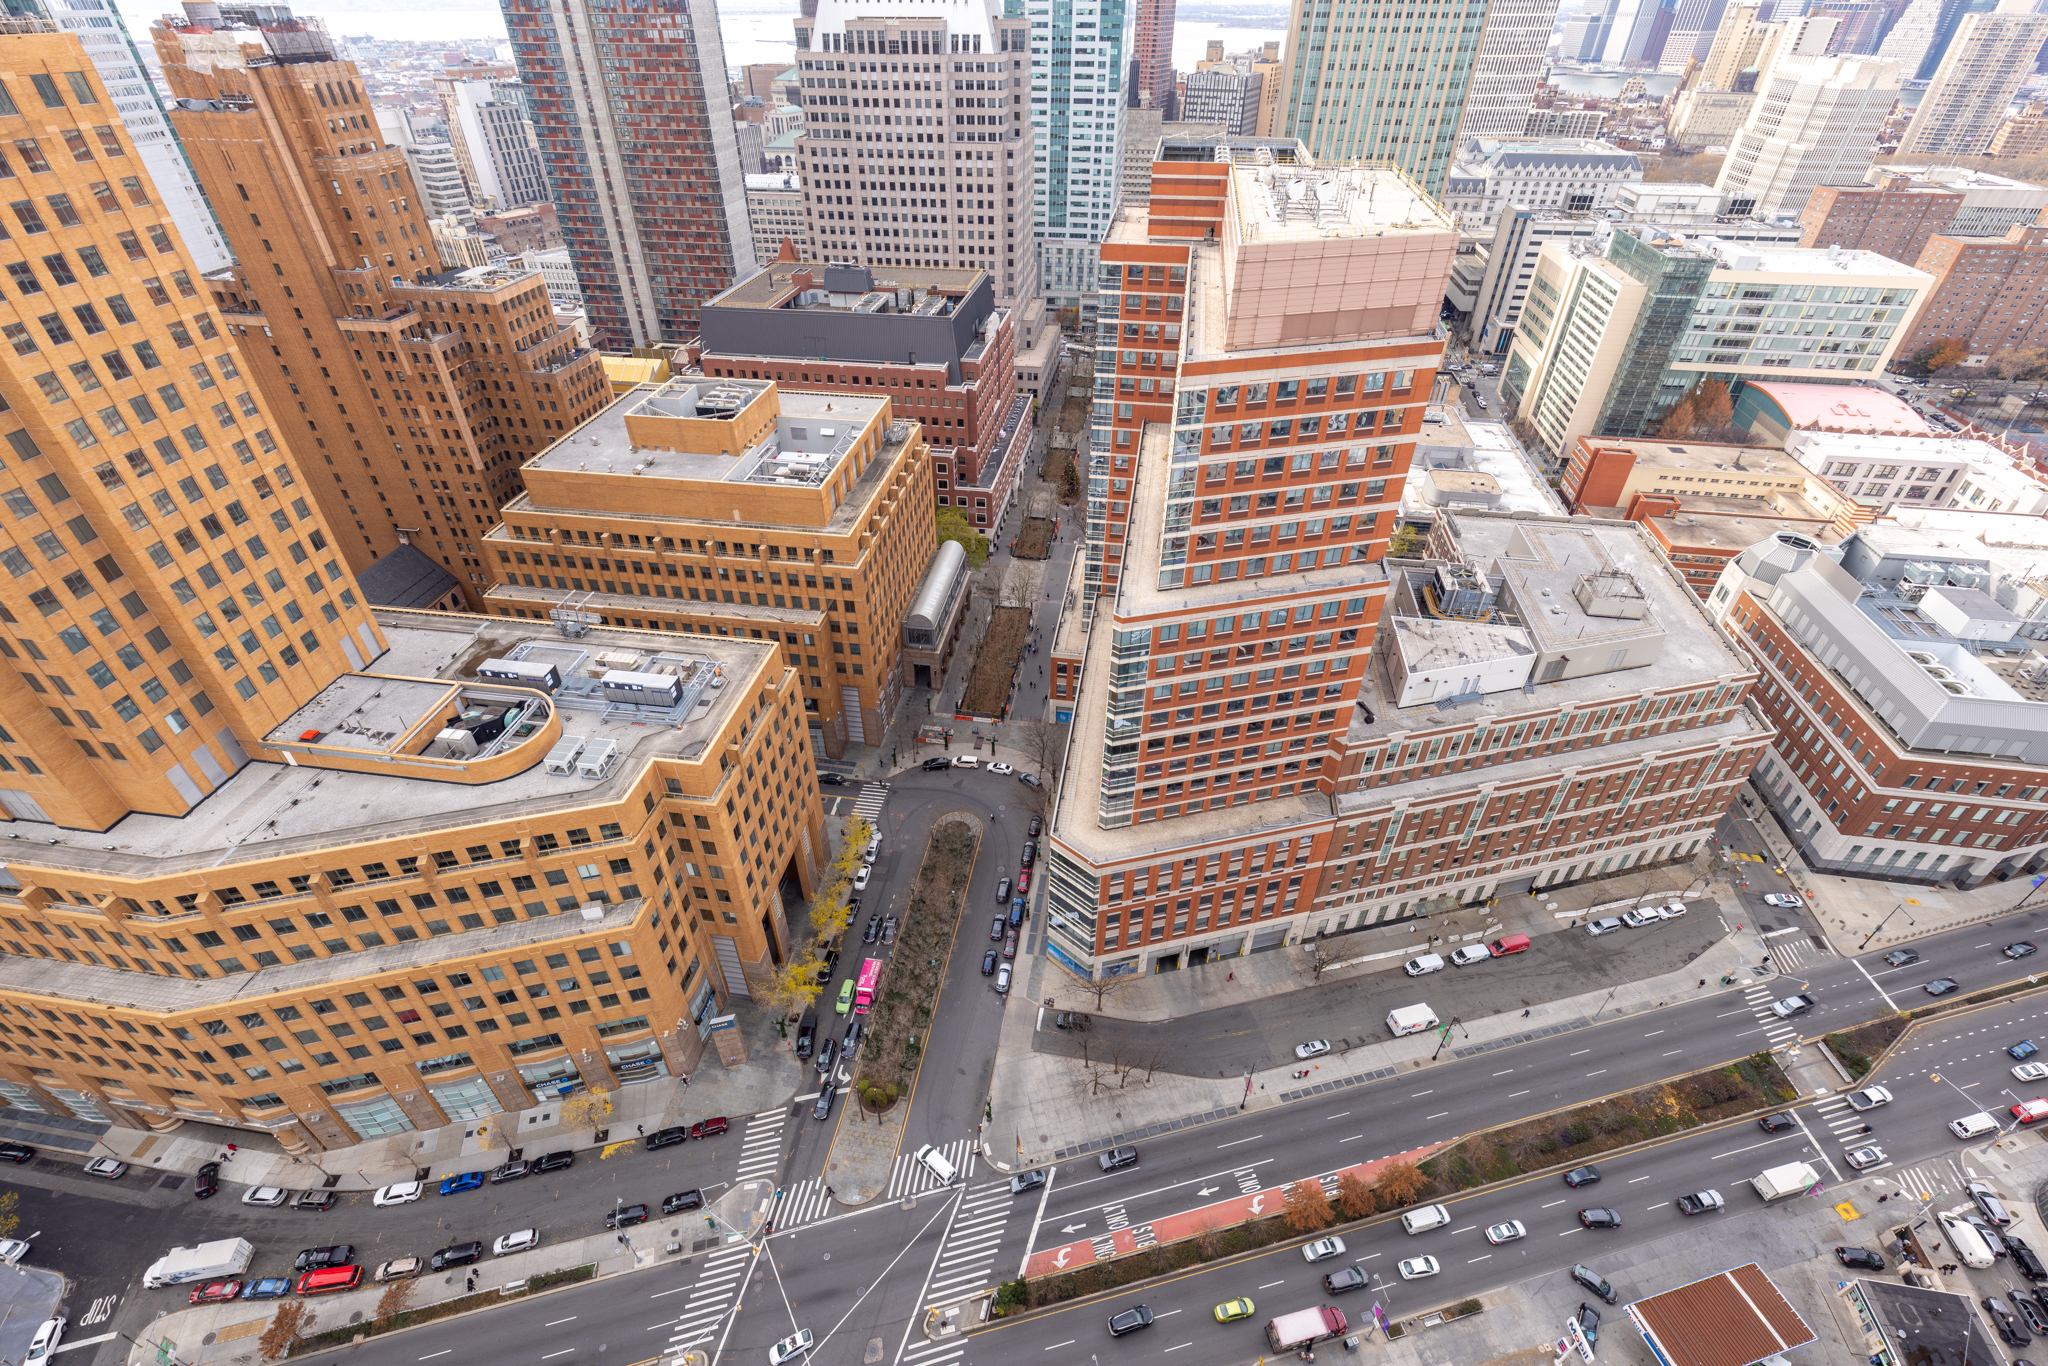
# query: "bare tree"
{"type": "Point", "coordinates": [1316, 959]}
{"type": "Point", "coordinates": [1043, 745]}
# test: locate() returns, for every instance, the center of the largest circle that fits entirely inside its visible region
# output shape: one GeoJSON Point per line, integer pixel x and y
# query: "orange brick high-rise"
{"type": "Point", "coordinates": [415, 392]}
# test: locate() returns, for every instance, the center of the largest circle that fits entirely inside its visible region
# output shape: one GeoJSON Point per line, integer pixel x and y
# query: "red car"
{"type": "Point", "coordinates": [1023, 879]}
{"type": "Point", "coordinates": [214, 1292]}
{"type": "Point", "coordinates": [705, 1128]}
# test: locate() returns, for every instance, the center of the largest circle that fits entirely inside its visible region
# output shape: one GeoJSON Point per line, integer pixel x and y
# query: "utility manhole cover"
{"type": "Point", "coordinates": [873, 1353]}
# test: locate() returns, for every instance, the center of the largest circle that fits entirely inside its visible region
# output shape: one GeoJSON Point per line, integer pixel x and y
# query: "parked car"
{"type": "Point", "coordinates": [1036, 828]}
{"type": "Point", "coordinates": [215, 1292]}
{"type": "Point", "coordinates": [988, 963]}
{"type": "Point", "coordinates": [1861, 1258]}
{"type": "Point", "coordinates": [456, 1254]}
{"type": "Point", "coordinates": [1314, 1048]}
{"type": "Point", "coordinates": [206, 1181]}
{"type": "Point", "coordinates": [1606, 925]}
{"type": "Point", "coordinates": [509, 1171]}
{"type": "Point", "coordinates": [710, 1128]}
{"type": "Point", "coordinates": [936, 763]}
{"type": "Point", "coordinates": [1003, 980]}
{"type": "Point", "coordinates": [268, 1288]}
{"type": "Point", "coordinates": [314, 1258]}
{"type": "Point", "coordinates": [556, 1161]}
{"type": "Point", "coordinates": [43, 1345]}
{"type": "Point", "coordinates": [317, 1200]}
{"type": "Point", "coordinates": [267, 1197]}
{"type": "Point", "coordinates": [683, 1200]}
{"type": "Point", "coordinates": [520, 1240]}
{"type": "Point", "coordinates": [399, 1269]}
{"type": "Point", "coordinates": [16, 1152]}
{"type": "Point", "coordinates": [967, 761]}
{"type": "Point", "coordinates": [399, 1193]}
{"type": "Point", "coordinates": [1004, 769]}
{"type": "Point", "coordinates": [625, 1216]}
{"type": "Point", "coordinates": [1782, 899]}
{"type": "Point", "coordinates": [466, 1181]}
{"type": "Point", "coordinates": [107, 1167]}
{"type": "Point", "coordinates": [1595, 1282]}
{"type": "Point", "coordinates": [1010, 944]}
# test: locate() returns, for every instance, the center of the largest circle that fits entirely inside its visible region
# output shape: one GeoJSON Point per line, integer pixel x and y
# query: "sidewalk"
{"type": "Point", "coordinates": [205, 1335]}
{"type": "Point", "coordinates": [771, 1076]}
{"type": "Point", "coordinates": [1049, 1114]}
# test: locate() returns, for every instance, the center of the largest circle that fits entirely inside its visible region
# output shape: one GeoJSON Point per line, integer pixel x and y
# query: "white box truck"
{"type": "Point", "coordinates": [208, 1262]}
{"type": "Point", "coordinates": [1305, 1326]}
{"type": "Point", "coordinates": [1794, 1178]}
{"type": "Point", "coordinates": [1411, 1020]}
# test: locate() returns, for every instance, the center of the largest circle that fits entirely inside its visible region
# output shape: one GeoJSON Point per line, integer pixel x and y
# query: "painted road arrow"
{"type": "Point", "coordinates": [1073, 1228]}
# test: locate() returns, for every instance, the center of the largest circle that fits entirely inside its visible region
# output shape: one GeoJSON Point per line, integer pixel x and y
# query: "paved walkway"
{"type": "Point", "coordinates": [771, 1076]}
{"type": "Point", "coordinates": [28, 1295]}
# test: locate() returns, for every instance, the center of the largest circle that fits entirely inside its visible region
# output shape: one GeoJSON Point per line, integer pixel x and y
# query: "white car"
{"type": "Point", "coordinates": [1782, 899]}
{"type": "Point", "coordinates": [1864, 1158]}
{"type": "Point", "coordinates": [2031, 1071]}
{"type": "Point", "coordinates": [525, 1240]}
{"type": "Point", "coordinates": [43, 1345]}
{"type": "Point", "coordinates": [1003, 769]}
{"type": "Point", "coordinates": [1323, 1247]}
{"type": "Point", "coordinates": [1471, 953]}
{"type": "Point", "coordinates": [1415, 1268]}
{"type": "Point", "coordinates": [860, 877]}
{"type": "Point", "coordinates": [271, 1196]}
{"type": "Point", "coordinates": [1314, 1048]}
{"type": "Point", "coordinates": [12, 1250]}
{"type": "Point", "coordinates": [967, 761]}
{"type": "Point", "coordinates": [1672, 910]}
{"type": "Point", "coordinates": [1869, 1098]}
{"type": "Point", "coordinates": [400, 1193]}
{"type": "Point", "coordinates": [107, 1167]}
{"type": "Point", "coordinates": [1635, 920]}
{"type": "Point", "coordinates": [795, 1345]}
{"type": "Point", "coordinates": [1506, 1233]}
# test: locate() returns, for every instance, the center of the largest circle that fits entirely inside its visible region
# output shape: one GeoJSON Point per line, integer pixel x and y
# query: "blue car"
{"type": "Point", "coordinates": [1016, 911]}
{"type": "Point", "coordinates": [270, 1288]}
{"type": "Point", "coordinates": [468, 1181]}
{"type": "Point", "coordinates": [2023, 1050]}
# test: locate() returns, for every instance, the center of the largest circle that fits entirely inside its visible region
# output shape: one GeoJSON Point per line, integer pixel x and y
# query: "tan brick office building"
{"type": "Point", "coordinates": [284, 864]}
{"type": "Point", "coordinates": [415, 392]}
{"type": "Point", "coordinates": [730, 507]}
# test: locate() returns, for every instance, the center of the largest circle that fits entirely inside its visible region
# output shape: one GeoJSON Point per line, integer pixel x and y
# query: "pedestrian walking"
{"type": "Point", "coordinates": [1882, 1198]}
{"type": "Point", "coordinates": [1703, 981]}
{"type": "Point", "coordinates": [1231, 978]}
{"type": "Point", "coordinates": [639, 1128]}
{"type": "Point", "coordinates": [1525, 1014]}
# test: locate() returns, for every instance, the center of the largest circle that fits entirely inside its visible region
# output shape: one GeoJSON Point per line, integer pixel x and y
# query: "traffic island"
{"type": "Point", "coordinates": [896, 1027]}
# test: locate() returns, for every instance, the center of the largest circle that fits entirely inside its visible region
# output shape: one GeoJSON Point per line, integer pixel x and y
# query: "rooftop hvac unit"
{"type": "Point", "coordinates": [597, 759]}
{"type": "Point", "coordinates": [455, 744]}
{"type": "Point", "coordinates": [618, 659]}
{"type": "Point", "coordinates": [562, 758]}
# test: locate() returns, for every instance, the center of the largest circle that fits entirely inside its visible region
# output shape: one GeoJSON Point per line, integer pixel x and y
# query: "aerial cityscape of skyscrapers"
{"type": "Point", "coordinates": [1401, 549]}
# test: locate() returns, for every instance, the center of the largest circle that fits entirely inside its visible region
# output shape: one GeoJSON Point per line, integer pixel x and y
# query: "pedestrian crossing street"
{"type": "Point", "coordinates": [868, 805]}
{"type": "Point", "coordinates": [761, 1146]}
{"type": "Point", "coordinates": [1844, 1122]}
{"type": "Point", "coordinates": [910, 1176]}
{"type": "Point", "coordinates": [1937, 1179]}
{"type": "Point", "coordinates": [967, 1260]}
{"type": "Point", "coordinates": [710, 1299]}
{"type": "Point", "coordinates": [804, 1203]}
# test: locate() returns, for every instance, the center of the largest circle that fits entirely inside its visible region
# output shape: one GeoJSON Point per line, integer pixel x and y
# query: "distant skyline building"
{"type": "Point", "coordinates": [1225, 99]}
{"type": "Point", "coordinates": [637, 136]}
{"type": "Point", "coordinates": [1694, 25]}
{"type": "Point", "coordinates": [1078, 49]}
{"type": "Point", "coordinates": [916, 148]}
{"type": "Point", "coordinates": [1513, 50]}
{"type": "Point", "coordinates": [1152, 75]}
{"type": "Point", "coordinates": [1815, 122]}
{"type": "Point", "coordinates": [494, 140]}
{"type": "Point", "coordinates": [1974, 86]}
{"type": "Point", "coordinates": [1386, 84]}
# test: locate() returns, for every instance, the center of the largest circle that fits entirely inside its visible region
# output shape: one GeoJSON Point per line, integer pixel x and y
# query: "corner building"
{"type": "Point", "coordinates": [414, 393]}
{"type": "Point", "coordinates": [430, 924]}
{"type": "Point", "coordinates": [1260, 686]}
{"type": "Point", "coordinates": [1909, 707]}
{"type": "Point", "coordinates": [737, 509]}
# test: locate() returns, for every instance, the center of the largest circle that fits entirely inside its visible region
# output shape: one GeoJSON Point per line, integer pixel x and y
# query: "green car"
{"type": "Point", "coordinates": [845, 996]}
{"type": "Point", "coordinates": [1234, 1310]}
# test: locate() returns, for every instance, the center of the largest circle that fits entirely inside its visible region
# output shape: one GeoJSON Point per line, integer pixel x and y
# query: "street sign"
{"type": "Point", "coordinates": [164, 1348]}
{"type": "Point", "coordinates": [1576, 1336]}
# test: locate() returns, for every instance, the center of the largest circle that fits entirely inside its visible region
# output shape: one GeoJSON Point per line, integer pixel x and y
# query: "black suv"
{"type": "Point", "coordinates": [555, 1162]}
{"type": "Point", "coordinates": [1582, 1176]}
{"type": "Point", "coordinates": [1899, 958]}
{"type": "Point", "coordinates": [675, 1204]}
{"type": "Point", "coordinates": [1772, 1124]}
{"type": "Point", "coordinates": [935, 764]}
{"type": "Point", "coordinates": [313, 1258]}
{"type": "Point", "coordinates": [663, 1138]}
{"type": "Point", "coordinates": [16, 1152]}
{"type": "Point", "coordinates": [1595, 1282]}
{"type": "Point", "coordinates": [807, 1034]}
{"type": "Point", "coordinates": [1130, 1321]}
{"type": "Point", "coordinates": [873, 931]}
{"type": "Point", "coordinates": [2007, 1325]}
{"type": "Point", "coordinates": [2026, 1259]}
{"type": "Point", "coordinates": [1350, 1278]}
{"type": "Point", "coordinates": [625, 1216]}
{"type": "Point", "coordinates": [1861, 1257]}
{"type": "Point", "coordinates": [206, 1180]}
{"type": "Point", "coordinates": [459, 1254]}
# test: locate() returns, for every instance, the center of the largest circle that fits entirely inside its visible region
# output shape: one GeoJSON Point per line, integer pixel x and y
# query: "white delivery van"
{"type": "Point", "coordinates": [1411, 1020]}
{"type": "Point", "coordinates": [1427, 963]}
{"type": "Point", "coordinates": [1424, 1219]}
{"type": "Point", "coordinates": [1971, 1249]}
{"type": "Point", "coordinates": [1973, 1126]}
{"type": "Point", "coordinates": [935, 1162]}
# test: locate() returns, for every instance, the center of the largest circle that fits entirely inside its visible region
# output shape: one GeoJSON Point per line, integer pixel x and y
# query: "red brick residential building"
{"type": "Point", "coordinates": [1893, 218]}
{"type": "Point", "coordinates": [1987, 291]}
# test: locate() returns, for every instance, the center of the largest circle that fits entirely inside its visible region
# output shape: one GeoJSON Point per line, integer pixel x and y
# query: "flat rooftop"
{"type": "Point", "coordinates": [1748, 257]}
{"type": "Point", "coordinates": [1693, 647]}
{"type": "Point", "coordinates": [1899, 446]}
{"type": "Point", "coordinates": [267, 810]}
{"type": "Point", "coordinates": [813, 434]}
{"type": "Point", "coordinates": [1705, 457]}
{"type": "Point", "coordinates": [842, 287]}
{"type": "Point", "coordinates": [1304, 203]}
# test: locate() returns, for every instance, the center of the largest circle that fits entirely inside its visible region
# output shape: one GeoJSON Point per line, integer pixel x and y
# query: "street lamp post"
{"type": "Point", "coordinates": [1887, 918]}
